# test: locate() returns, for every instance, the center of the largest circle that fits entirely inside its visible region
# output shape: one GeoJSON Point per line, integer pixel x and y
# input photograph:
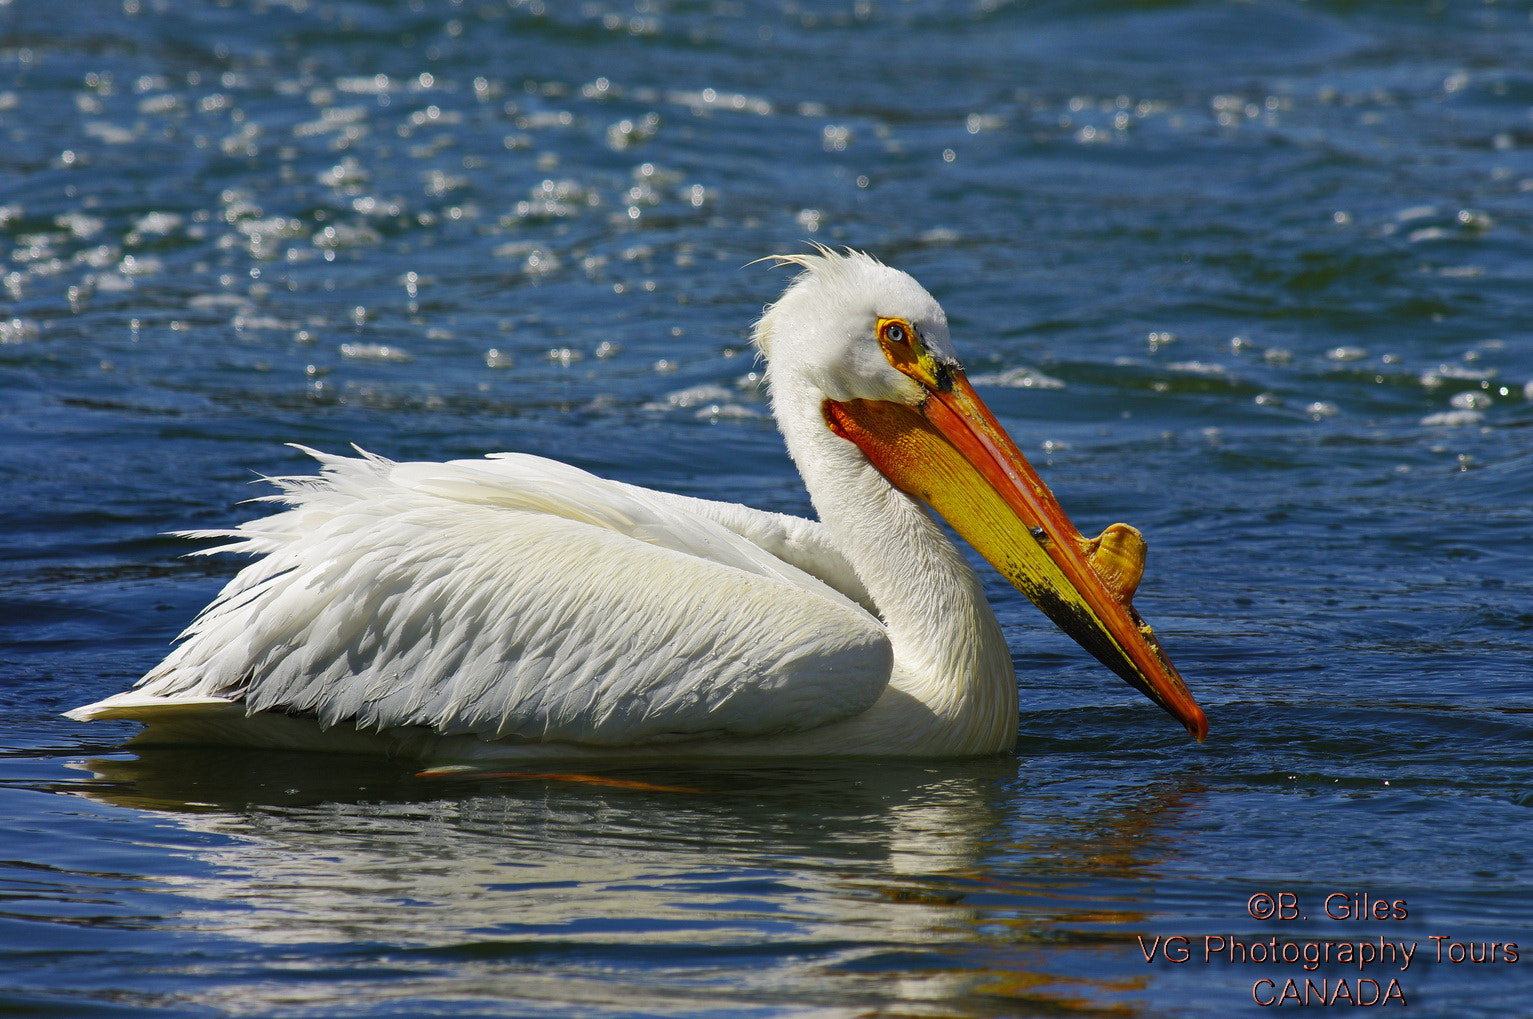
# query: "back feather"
{"type": "Point", "coordinates": [517, 598]}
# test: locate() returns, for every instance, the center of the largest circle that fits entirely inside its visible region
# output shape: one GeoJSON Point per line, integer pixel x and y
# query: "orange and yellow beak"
{"type": "Point", "coordinates": [952, 454]}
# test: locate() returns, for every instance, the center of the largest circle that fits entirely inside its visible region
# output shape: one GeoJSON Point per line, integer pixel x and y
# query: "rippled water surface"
{"type": "Point", "coordinates": [1256, 277]}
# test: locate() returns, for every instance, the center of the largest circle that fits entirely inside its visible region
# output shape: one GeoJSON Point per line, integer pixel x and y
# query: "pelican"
{"type": "Point", "coordinates": [514, 607]}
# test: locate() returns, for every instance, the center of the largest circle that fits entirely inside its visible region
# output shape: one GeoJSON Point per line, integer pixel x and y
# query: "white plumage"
{"type": "Point", "coordinates": [516, 597]}
{"type": "Point", "coordinates": [518, 607]}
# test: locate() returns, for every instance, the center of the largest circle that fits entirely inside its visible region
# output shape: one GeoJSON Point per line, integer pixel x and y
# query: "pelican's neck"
{"type": "Point", "coordinates": [949, 652]}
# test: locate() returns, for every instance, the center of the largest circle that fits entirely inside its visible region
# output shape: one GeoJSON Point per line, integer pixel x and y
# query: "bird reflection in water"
{"type": "Point", "coordinates": [855, 884]}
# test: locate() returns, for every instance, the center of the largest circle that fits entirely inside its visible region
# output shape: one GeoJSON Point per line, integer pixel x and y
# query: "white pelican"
{"type": "Point", "coordinates": [515, 607]}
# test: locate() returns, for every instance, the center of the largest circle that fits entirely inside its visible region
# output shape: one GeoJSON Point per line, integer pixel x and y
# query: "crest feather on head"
{"type": "Point", "coordinates": [824, 264]}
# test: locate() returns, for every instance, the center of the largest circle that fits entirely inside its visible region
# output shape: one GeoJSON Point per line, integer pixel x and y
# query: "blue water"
{"type": "Point", "coordinates": [1256, 277]}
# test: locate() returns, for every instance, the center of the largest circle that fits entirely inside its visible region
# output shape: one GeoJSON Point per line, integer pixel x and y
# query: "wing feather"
{"type": "Point", "coordinates": [522, 599]}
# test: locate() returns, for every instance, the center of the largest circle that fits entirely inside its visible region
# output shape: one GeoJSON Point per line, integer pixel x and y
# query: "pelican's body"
{"type": "Point", "coordinates": [517, 607]}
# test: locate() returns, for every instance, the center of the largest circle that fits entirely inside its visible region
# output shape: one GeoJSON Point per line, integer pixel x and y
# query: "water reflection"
{"type": "Point", "coordinates": [952, 889]}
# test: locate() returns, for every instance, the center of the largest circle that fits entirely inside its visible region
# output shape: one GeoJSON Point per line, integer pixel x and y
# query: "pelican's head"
{"type": "Point", "coordinates": [875, 346]}
{"type": "Point", "coordinates": [827, 325]}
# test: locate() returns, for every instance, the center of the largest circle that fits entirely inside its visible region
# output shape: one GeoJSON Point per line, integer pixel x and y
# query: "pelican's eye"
{"type": "Point", "coordinates": [894, 331]}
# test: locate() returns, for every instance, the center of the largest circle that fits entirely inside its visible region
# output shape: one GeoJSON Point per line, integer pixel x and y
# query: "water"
{"type": "Point", "coordinates": [1254, 277]}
